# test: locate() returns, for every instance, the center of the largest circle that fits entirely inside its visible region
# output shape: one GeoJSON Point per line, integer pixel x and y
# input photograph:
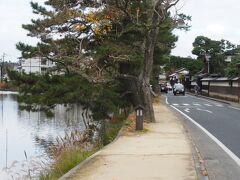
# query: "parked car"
{"type": "Point", "coordinates": [178, 88]}
{"type": "Point", "coordinates": [163, 88]}
{"type": "Point", "coordinates": [169, 86]}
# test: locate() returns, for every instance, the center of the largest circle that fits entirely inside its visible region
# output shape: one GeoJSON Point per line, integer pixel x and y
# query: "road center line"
{"type": "Point", "coordinates": [228, 151]}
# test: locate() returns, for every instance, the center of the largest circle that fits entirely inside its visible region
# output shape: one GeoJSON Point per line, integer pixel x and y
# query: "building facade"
{"type": "Point", "coordinates": [35, 65]}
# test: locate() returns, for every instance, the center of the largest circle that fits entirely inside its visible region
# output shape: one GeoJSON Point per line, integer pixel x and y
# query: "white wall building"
{"type": "Point", "coordinates": [35, 65]}
{"type": "Point", "coordinates": [228, 59]}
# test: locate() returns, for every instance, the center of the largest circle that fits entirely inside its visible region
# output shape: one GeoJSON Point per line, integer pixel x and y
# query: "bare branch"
{"type": "Point", "coordinates": [120, 57]}
{"type": "Point", "coordinates": [171, 5]}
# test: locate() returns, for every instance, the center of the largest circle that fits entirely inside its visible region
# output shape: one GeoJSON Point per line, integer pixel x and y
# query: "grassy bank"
{"type": "Point", "coordinates": [111, 130]}
{"type": "Point", "coordinates": [66, 161]}
{"type": "Point", "coordinates": [70, 157]}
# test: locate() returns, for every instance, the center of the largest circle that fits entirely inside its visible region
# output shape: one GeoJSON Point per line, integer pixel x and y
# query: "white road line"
{"type": "Point", "coordinates": [175, 104]}
{"type": "Point", "coordinates": [186, 104]}
{"type": "Point", "coordinates": [166, 99]}
{"type": "Point", "coordinates": [211, 101]}
{"type": "Point", "coordinates": [203, 99]}
{"type": "Point", "coordinates": [205, 110]}
{"type": "Point", "coordinates": [187, 110]}
{"type": "Point", "coordinates": [195, 104]}
{"type": "Point", "coordinates": [234, 108]}
{"type": "Point", "coordinates": [209, 105]}
{"type": "Point", "coordinates": [228, 151]}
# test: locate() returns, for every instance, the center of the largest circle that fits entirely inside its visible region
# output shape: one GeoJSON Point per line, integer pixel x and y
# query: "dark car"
{"type": "Point", "coordinates": [178, 88]}
{"type": "Point", "coordinates": [164, 88]}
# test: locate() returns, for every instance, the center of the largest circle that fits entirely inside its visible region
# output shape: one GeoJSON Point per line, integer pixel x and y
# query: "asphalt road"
{"type": "Point", "coordinates": [215, 128]}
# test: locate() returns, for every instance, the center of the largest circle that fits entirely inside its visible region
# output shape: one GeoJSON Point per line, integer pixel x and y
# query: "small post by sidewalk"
{"type": "Point", "coordinates": [139, 117]}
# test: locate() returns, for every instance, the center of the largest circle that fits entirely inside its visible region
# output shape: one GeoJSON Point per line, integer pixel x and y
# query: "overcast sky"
{"type": "Point", "coordinates": [216, 19]}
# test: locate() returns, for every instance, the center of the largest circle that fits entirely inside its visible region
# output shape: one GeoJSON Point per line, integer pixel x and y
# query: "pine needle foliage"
{"type": "Point", "coordinates": [99, 51]}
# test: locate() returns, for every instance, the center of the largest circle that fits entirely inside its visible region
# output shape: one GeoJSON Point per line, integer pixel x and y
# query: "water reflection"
{"type": "Point", "coordinates": [19, 129]}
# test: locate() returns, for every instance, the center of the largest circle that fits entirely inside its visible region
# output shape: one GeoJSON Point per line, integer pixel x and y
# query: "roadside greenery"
{"type": "Point", "coordinates": [107, 44]}
{"type": "Point", "coordinates": [217, 52]}
{"type": "Point", "coordinates": [112, 129]}
{"type": "Point", "coordinates": [232, 67]}
{"type": "Point", "coordinates": [65, 162]}
{"type": "Point", "coordinates": [75, 147]}
{"type": "Point", "coordinates": [193, 65]}
{"type": "Point", "coordinates": [44, 92]}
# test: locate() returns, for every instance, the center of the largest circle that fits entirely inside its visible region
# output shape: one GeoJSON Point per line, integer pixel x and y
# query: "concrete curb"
{"type": "Point", "coordinates": [76, 168]}
{"type": "Point", "coordinates": [201, 171]}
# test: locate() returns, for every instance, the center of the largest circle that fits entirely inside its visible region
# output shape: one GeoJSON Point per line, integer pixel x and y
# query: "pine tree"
{"type": "Point", "coordinates": [141, 29]}
{"type": "Point", "coordinates": [104, 48]}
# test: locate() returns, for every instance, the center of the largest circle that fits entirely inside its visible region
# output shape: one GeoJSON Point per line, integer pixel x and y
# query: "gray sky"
{"type": "Point", "coordinates": [216, 19]}
{"type": "Point", "coordinates": [13, 13]}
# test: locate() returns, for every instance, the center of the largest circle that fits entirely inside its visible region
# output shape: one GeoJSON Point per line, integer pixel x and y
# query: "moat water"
{"type": "Point", "coordinates": [20, 132]}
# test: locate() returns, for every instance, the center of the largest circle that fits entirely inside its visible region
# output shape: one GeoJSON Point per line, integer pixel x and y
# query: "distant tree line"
{"type": "Point", "coordinates": [217, 52]}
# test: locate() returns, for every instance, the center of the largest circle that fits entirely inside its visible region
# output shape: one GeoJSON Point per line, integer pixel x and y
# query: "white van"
{"type": "Point", "coordinates": [178, 88]}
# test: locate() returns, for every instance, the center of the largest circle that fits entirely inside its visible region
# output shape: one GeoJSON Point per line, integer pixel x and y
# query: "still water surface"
{"type": "Point", "coordinates": [19, 129]}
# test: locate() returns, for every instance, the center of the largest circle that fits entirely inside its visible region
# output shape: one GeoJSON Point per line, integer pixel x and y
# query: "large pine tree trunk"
{"type": "Point", "coordinates": [145, 75]}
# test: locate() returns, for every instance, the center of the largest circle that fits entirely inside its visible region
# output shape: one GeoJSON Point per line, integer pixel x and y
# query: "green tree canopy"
{"type": "Point", "coordinates": [232, 69]}
{"type": "Point", "coordinates": [176, 62]}
{"type": "Point", "coordinates": [108, 44]}
{"type": "Point", "coordinates": [217, 50]}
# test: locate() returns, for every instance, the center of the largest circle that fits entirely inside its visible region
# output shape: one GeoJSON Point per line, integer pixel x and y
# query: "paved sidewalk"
{"type": "Point", "coordinates": [163, 152]}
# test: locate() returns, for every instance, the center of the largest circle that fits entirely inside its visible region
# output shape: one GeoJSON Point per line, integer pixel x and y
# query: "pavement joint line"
{"type": "Point", "coordinates": [219, 143]}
